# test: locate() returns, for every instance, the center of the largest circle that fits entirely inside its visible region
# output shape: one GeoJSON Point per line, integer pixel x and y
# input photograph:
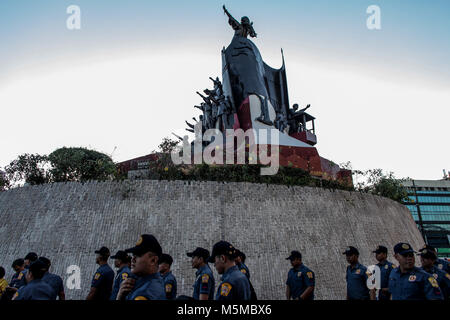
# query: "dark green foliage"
{"type": "Point", "coordinates": [4, 181]}
{"type": "Point", "coordinates": [30, 168]}
{"type": "Point", "coordinates": [80, 164]}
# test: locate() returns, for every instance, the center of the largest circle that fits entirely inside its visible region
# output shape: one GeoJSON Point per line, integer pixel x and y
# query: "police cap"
{"type": "Point", "coordinates": [146, 243]}
{"type": "Point", "coordinates": [294, 255]}
{"type": "Point", "coordinates": [351, 251]}
{"type": "Point", "coordinates": [199, 252]}
{"type": "Point", "coordinates": [121, 255]}
{"type": "Point", "coordinates": [380, 249]}
{"type": "Point", "coordinates": [103, 251]}
{"type": "Point", "coordinates": [222, 248]}
{"type": "Point", "coordinates": [403, 248]}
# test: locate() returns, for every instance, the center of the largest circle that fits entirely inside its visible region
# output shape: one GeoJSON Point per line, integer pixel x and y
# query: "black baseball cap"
{"type": "Point", "coordinates": [428, 247]}
{"type": "Point", "coordinates": [146, 243]}
{"type": "Point", "coordinates": [122, 255]}
{"type": "Point", "coordinates": [427, 254]}
{"type": "Point", "coordinates": [294, 255]}
{"type": "Point", "coordinates": [240, 254]}
{"type": "Point", "coordinates": [199, 252]}
{"type": "Point", "coordinates": [350, 251]}
{"type": "Point", "coordinates": [380, 249]}
{"type": "Point", "coordinates": [32, 256]}
{"type": "Point", "coordinates": [103, 251]}
{"type": "Point", "coordinates": [46, 261]}
{"type": "Point", "coordinates": [403, 248]}
{"type": "Point", "coordinates": [166, 258]}
{"type": "Point", "coordinates": [222, 247]}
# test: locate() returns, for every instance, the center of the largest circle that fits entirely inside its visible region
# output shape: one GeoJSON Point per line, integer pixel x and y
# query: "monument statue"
{"type": "Point", "coordinates": [243, 29]}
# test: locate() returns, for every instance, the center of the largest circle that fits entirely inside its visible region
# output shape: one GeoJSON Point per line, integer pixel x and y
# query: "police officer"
{"type": "Point", "coordinates": [36, 288]}
{"type": "Point", "coordinates": [234, 285]}
{"type": "Point", "coordinates": [407, 282]}
{"type": "Point", "coordinates": [102, 281]}
{"type": "Point", "coordinates": [121, 259]}
{"type": "Point", "coordinates": [3, 281]}
{"type": "Point", "coordinates": [53, 280]}
{"type": "Point", "coordinates": [149, 285]}
{"type": "Point", "coordinates": [356, 276]}
{"type": "Point", "coordinates": [240, 262]}
{"type": "Point", "coordinates": [18, 279]}
{"type": "Point", "coordinates": [385, 270]}
{"type": "Point", "coordinates": [428, 259]}
{"type": "Point", "coordinates": [29, 259]}
{"type": "Point", "coordinates": [442, 264]}
{"type": "Point", "coordinates": [204, 279]}
{"type": "Point", "coordinates": [300, 281]}
{"type": "Point", "coordinates": [170, 282]}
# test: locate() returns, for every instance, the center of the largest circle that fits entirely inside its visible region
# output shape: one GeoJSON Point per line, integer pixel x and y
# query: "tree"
{"type": "Point", "coordinates": [80, 164]}
{"type": "Point", "coordinates": [4, 182]}
{"type": "Point", "coordinates": [28, 168]}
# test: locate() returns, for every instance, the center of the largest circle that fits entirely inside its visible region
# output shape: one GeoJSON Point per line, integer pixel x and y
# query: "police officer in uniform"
{"type": "Point", "coordinates": [300, 281]}
{"type": "Point", "coordinates": [204, 279]}
{"type": "Point", "coordinates": [385, 270]}
{"type": "Point", "coordinates": [442, 264]}
{"type": "Point", "coordinates": [234, 285]}
{"type": "Point", "coordinates": [170, 282]}
{"type": "Point", "coordinates": [240, 262]}
{"type": "Point", "coordinates": [144, 266]}
{"type": "Point", "coordinates": [121, 259]}
{"type": "Point", "coordinates": [53, 280]}
{"type": "Point", "coordinates": [36, 288]}
{"type": "Point", "coordinates": [356, 276]}
{"type": "Point", "coordinates": [29, 259]}
{"type": "Point", "coordinates": [102, 281]}
{"type": "Point", "coordinates": [18, 279]}
{"type": "Point", "coordinates": [407, 282]}
{"type": "Point", "coordinates": [428, 259]}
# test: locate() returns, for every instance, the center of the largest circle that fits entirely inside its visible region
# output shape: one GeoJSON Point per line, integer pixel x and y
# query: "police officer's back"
{"type": "Point", "coordinates": [385, 270]}
{"type": "Point", "coordinates": [36, 288]}
{"type": "Point", "coordinates": [170, 282]}
{"type": "Point", "coordinates": [204, 284]}
{"type": "Point", "coordinates": [428, 259]}
{"type": "Point", "coordinates": [102, 281]}
{"type": "Point", "coordinates": [356, 276]}
{"type": "Point", "coordinates": [407, 282]}
{"type": "Point", "coordinates": [121, 261]}
{"type": "Point", "coordinates": [53, 280]}
{"type": "Point", "coordinates": [149, 284]}
{"type": "Point", "coordinates": [300, 282]}
{"type": "Point", "coordinates": [234, 285]}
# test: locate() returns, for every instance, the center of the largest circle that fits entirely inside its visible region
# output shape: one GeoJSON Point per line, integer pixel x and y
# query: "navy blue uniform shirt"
{"type": "Point", "coordinates": [122, 274]}
{"type": "Point", "coordinates": [234, 286]}
{"type": "Point", "coordinates": [35, 290]}
{"type": "Point", "coordinates": [442, 264]}
{"type": "Point", "coordinates": [18, 279]}
{"type": "Point", "coordinates": [150, 287]}
{"type": "Point", "coordinates": [243, 268]}
{"type": "Point", "coordinates": [170, 285]}
{"type": "Point", "coordinates": [204, 283]}
{"type": "Point", "coordinates": [103, 281]}
{"type": "Point", "coordinates": [357, 282]}
{"type": "Point", "coordinates": [415, 284]}
{"type": "Point", "coordinates": [299, 279]}
{"type": "Point", "coordinates": [55, 282]}
{"type": "Point", "coordinates": [442, 278]}
{"type": "Point", "coordinates": [385, 270]}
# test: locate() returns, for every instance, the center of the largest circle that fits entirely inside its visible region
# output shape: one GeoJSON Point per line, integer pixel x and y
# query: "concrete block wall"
{"type": "Point", "coordinates": [68, 221]}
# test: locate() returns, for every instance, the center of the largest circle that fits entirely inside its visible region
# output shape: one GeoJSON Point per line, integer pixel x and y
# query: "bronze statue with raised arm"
{"type": "Point", "coordinates": [243, 29]}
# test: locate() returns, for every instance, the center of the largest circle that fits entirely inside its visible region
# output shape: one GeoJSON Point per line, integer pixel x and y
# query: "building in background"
{"type": "Point", "coordinates": [430, 207]}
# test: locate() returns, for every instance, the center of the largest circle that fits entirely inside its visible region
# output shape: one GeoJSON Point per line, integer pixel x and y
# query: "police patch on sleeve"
{"type": "Point", "coordinates": [447, 275]}
{"type": "Point", "coordinates": [124, 276]}
{"type": "Point", "coordinates": [309, 274]}
{"type": "Point", "coordinates": [205, 278]}
{"type": "Point", "coordinates": [358, 271]}
{"type": "Point", "coordinates": [433, 282]}
{"type": "Point", "coordinates": [168, 288]}
{"type": "Point", "coordinates": [97, 276]}
{"type": "Point", "coordinates": [225, 289]}
{"type": "Point", "coordinates": [20, 276]}
{"type": "Point", "coordinates": [243, 271]}
{"type": "Point", "coordinates": [140, 298]}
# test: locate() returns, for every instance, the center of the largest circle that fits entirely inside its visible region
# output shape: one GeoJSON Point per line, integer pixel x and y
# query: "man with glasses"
{"type": "Point", "coordinates": [144, 265]}
{"type": "Point", "coordinates": [407, 282]}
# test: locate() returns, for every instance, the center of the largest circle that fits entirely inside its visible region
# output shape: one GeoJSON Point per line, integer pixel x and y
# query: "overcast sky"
{"type": "Point", "coordinates": [128, 77]}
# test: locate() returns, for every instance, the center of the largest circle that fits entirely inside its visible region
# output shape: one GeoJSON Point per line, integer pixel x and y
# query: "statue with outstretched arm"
{"type": "Point", "coordinates": [243, 29]}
